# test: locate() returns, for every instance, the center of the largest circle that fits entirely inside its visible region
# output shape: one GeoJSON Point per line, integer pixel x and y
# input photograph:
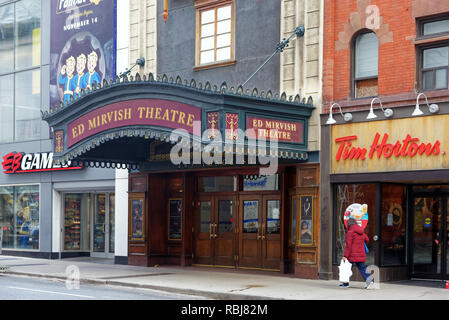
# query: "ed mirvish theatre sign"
{"type": "Point", "coordinates": [154, 112]}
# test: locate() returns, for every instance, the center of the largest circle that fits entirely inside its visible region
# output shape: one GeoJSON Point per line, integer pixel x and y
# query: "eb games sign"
{"type": "Point", "coordinates": [26, 163]}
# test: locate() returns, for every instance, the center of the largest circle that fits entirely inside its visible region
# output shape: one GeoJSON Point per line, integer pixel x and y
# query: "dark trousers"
{"type": "Point", "coordinates": [362, 268]}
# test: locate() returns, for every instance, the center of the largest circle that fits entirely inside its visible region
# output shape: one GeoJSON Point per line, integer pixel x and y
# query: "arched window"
{"type": "Point", "coordinates": [365, 65]}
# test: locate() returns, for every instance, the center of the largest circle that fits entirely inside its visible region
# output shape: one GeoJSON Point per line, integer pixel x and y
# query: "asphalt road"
{"type": "Point", "coordinates": [27, 288]}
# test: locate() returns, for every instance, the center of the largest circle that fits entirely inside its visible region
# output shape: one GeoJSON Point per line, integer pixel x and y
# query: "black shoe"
{"type": "Point", "coordinates": [344, 285]}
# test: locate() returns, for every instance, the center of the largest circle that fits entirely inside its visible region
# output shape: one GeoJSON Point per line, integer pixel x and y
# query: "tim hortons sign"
{"type": "Point", "coordinates": [408, 147]}
{"type": "Point", "coordinates": [391, 145]}
{"type": "Point", "coordinates": [26, 163]}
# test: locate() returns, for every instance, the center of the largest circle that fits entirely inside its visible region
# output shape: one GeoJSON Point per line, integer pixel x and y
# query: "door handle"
{"type": "Point", "coordinates": [258, 234]}
{"type": "Point", "coordinates": [215, 231]}
{"type": "Point", "coordinates": [211, 235]}
{"type": "Point", "coordinates": [263, 232]}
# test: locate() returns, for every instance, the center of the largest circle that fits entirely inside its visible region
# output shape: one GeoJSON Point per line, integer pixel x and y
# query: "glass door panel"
{"type": "Point", "coordinates": [273, 217]}
{"type": "Point", "coordinates": [204, 216]}
{"type": "Point", "coordinates": [427, 240]}
{"type": "Point", "coordinates": [224, 240]}
{"type": "Point", "coordinates": [111, 223]}
{"type": "Point", "coordinates": [224, 216]}
{"type": "Point", "coordinates": [99, 234]}
{"type": "Point", "coordinates": [251, 216]}
{"type": "Point", "coordinates": [447, 242]}
{"type": "Point", "coordinates": [271, 232]}
{"type": "Point", "coordinates": [250, 236]}
{"type": "Point", "coordinates": [203, 232]}
{"type": "Point", "coordinates": [76, 210]}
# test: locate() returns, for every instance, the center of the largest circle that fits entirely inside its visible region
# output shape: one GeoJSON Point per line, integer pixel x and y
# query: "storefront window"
{"type": "Point", "coordinates": [394, 224]}
{"type": "Point", "coordinates": [347, 194]}
{"type": "Point", "coordinates": [76, 222]}
{"type": "Point", "coordinates": [19, 217]}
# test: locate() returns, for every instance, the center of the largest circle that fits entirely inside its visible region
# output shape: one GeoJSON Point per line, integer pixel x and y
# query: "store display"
{"type": "Point", "coordinates": [99, 223]}
{"type": "Point", "coordinates": [72, 222]}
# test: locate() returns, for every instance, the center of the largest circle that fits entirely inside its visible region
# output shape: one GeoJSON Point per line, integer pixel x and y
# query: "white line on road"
{"type": "Point", "coordinates": [53, 292]}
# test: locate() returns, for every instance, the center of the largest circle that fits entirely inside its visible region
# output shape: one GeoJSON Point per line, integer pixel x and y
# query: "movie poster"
{"type": "Point", "coordinates": [83, 46]}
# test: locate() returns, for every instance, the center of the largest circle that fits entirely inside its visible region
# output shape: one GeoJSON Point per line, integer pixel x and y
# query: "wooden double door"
{"type": "Point", "coordinates": [240, 231]}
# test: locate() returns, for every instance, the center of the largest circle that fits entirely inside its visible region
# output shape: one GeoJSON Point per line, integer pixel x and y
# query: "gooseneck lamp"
{"type": "Point", "coordinates": [388, 113]}
{"type": "Point", "coordinates": [347, 116]}
{"type": "Point", "coordinates": [433, 108]}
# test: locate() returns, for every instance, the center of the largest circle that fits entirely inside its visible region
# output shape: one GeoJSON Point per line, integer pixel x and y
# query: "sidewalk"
{"type": "Point", "coordinates": [218, 283]}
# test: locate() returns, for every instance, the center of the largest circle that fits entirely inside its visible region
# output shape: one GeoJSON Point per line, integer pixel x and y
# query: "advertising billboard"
{"type": "Point", "coordinates": [83, 46]}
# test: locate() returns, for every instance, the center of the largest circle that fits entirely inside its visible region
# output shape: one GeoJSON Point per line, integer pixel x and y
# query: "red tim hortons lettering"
{"type": "Point", "coordinates": [409, 147]}
{"type": "Point", "coordinates": [346, 151]}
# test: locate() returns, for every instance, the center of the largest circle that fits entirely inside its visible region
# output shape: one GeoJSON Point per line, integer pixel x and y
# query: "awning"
{"type": "Point", "coordinates": [136, 122]}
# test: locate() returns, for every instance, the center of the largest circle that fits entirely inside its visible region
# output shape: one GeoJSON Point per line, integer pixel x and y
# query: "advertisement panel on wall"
{"type": "Point", "coordinates": [83, 46]}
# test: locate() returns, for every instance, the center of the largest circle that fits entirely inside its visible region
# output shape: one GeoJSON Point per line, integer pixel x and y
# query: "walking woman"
{"type": "Point", "coordinates": [355, 250]}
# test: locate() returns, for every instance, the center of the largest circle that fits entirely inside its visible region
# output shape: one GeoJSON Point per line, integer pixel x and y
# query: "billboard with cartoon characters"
{"type": "Point", "coordinates": [83, 42]}
{"type": "Point", "coordinates": [359, 212]}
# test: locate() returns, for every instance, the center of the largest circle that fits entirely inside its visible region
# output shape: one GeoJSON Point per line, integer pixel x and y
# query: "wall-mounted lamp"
{"type": "Point", "coordinates": [347, 116]}
{"type": "Point", "coordinates": [139, 62]}
{"type": "Point", "coordinates": [388, 113]}
{"type": "Point", "coordinates": [433, 108]}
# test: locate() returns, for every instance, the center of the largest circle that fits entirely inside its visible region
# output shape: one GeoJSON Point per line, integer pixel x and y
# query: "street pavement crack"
{"type": "Point", "coordinates": [247, 288]}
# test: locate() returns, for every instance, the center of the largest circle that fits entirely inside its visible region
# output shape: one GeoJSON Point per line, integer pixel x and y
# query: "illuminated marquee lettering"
{"type": "Point", "coordinates": [409, 147]}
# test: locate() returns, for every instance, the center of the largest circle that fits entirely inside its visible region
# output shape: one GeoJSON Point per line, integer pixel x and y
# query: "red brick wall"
{"type": "Point", "coordinates": [396, 31]}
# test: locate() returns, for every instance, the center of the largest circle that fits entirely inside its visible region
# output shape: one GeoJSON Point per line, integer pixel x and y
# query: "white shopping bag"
{"type": "Point", "coordinates": [345, 271]}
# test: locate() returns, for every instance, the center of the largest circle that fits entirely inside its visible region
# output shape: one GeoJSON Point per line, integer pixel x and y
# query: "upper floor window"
{"type": "Point", "coordinates": [215, 33]}
{"type": "Point", "coordinates": [433, 54]}
{"type": "Point", "coordinates": [366, 62]}
{"type": "Point", "coordinates": [20, 73]}
{"type": "Point", "coordinates": [435, 63]}
{"type": "Point", "coordinates": [435, 27]}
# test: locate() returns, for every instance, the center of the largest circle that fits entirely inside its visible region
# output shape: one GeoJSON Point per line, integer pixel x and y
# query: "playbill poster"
{"type": "Point", "coordinates": [83, 42]}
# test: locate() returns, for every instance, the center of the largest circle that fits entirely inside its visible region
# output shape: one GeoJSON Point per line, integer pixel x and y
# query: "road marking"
{"type": "Point", "coordinates": [53, 292]}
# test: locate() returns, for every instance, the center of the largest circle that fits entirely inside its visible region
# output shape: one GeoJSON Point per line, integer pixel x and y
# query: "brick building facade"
{"type": "Point", "coordinates": [385, 69]}
{"type": "Point", "coordinates": [396, 25]}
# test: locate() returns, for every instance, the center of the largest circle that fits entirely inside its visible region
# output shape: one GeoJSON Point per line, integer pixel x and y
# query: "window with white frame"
{"type": "Point", "coordinates": [215, 33]}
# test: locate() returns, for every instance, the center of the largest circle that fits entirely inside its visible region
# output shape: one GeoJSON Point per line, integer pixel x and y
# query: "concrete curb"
{"type": "Point", "coordinates": [194, 292]}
